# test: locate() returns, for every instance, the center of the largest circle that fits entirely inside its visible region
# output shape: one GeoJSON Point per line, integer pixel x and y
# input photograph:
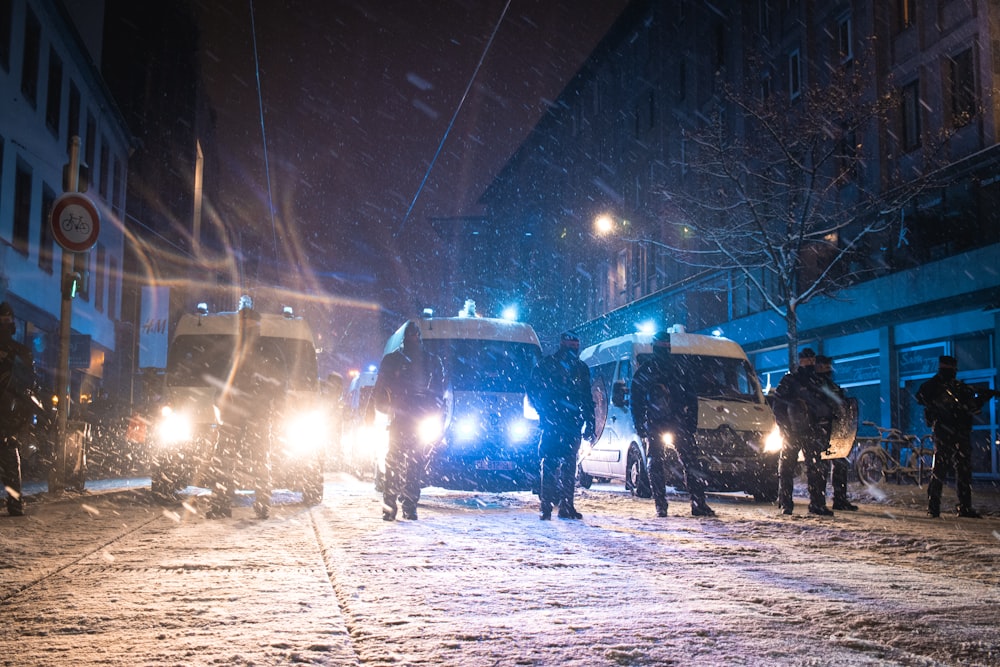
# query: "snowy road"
{"type": "Point", "coordinates": [109, 579]}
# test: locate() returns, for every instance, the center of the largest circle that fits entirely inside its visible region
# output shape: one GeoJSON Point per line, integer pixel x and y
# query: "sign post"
{"type": "Point", "coordinates": [75, 224]}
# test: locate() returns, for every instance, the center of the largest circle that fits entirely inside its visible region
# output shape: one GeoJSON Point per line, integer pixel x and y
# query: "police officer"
{"type": "Point", "coordinates": [839, 467]}
{"type": "Point", "coordinates": [949, 405]}
{"type": "Point", "coordinates": [665, 407]}
{"type": "Point", "coordinates": [805, 415]}
{"type": "Point", "coordinates": [16, 379]}
{"type": "Point", "coordinates": [410, 390]}
{"type": "Point", "coordinates": [247, 408]}
{"type": "Point", "coordinates": [560, 392]}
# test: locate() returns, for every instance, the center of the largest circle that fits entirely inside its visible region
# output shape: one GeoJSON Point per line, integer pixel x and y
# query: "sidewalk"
{"type": "Point", "coordinates": [985, 495]}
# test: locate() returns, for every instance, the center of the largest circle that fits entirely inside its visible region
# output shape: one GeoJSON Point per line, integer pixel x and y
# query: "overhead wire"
{"type": "Point", "coordinates": [454, 116]}
{"type": "Point", "coordinates": [263, 134]}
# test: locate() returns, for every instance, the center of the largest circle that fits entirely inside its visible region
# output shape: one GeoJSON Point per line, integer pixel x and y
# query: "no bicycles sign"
{"type": "Point", "coordinates": [75, 222]}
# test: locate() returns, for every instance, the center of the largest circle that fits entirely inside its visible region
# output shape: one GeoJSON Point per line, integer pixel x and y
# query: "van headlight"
{"type": "Point", "coordinates": [463, 430]}
{"type": "Point", "coordinates": [173, 427]}
{"type": "Point", "coordinates": [529, 410]}
{"type": "Point", "coordinates": [774, 441]}
{"type": "Point", "coordinates": [429, 430]}
{"type": "Point", "coordinates": [519, 431]}
{"type": "Point", "coordinates": [305, 433]}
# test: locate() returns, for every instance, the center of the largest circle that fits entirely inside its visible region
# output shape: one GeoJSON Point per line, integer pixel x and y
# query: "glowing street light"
{"type": "Point", "coordinates": [604, 224]}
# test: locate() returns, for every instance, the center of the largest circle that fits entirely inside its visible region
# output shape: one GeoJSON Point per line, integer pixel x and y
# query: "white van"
{"type": "Point", "coordinates": [491, 432]}
{"type": "Point", "coordinates": [200, 361]}
{"type": "Point", "coordinates": [737, 434]}
{"type": "Point", "coordinates": [364, 439]}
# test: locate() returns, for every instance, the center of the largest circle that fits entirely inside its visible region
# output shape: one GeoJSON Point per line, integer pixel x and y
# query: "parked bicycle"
{"type": "Point", "coordinates": [894, 453]}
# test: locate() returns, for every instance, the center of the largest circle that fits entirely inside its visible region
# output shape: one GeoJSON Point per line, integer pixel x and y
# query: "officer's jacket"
{"type": "Point", "coordinates": [662, 397]}
{"type": "Point", "coordinates": [949, 402]}
{"type": "Point", "coordinates": [410, 385]}
{"type": "Point", "coordinates": [559, 391]}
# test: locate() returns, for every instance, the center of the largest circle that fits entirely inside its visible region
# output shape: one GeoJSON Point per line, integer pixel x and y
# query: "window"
{"type": "Point", "coordinates": [90, 149]}
{"type": "Point", "coordinates": [763, 17]}
{"type": "Point", "coordinates": [848, 150]}
{"type": "Point", "coordinates": [73, 123]}
{"type": "Point", "coordinates": [907, 11]}
{"type": "Point", "coordinates": [118, 199]}
{"type": "Point", "coordinates": [720, 45]}
{"type": "Point", "coordinates": [29, 65]}
{"type": "Point", "coordinates": [681, 79]}
{"type": "Point", "coordinates": [844, 42]}
{"type": "Point", "coordinates": [99, 279]}
{"type": "Point", "coordinates": [963, 89]}
{"type": "Point", "coordinates": [22, 207]}
{"type": "Point", "coordinates": [81, 265]}
{"type": "Point", "coordinates": [6, 23]}
{"type": "Point", "coordinates": [794, 75]}
{"type": "Point", "coordinates": [113, 288]}
{"type": "Point", "coordinates": [53, 98]}
{"type": "Point", "coordinates": [103, 170]}
{"type": "Point", "coordinates": [45, 241]}
{"type": "Point", "coordinates": [910, 107]}
{"type": "Point", "coordinates": [765, 86]}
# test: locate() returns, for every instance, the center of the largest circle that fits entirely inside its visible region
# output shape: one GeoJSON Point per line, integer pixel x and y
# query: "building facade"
{"type": "Point", "coordinates": [627, 130]}
{"type": "Point", "coordinates": [53, 92]}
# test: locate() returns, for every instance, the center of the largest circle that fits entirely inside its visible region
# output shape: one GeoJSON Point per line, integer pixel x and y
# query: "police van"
{"type": "Point", "coordinates": [365, 439]}
{"type": "Point", "coordinates": [200, 362]}
{"type": "Point", "coordinates": [737, 435]}
{"type": "Point", "coordinates": [490, 440]}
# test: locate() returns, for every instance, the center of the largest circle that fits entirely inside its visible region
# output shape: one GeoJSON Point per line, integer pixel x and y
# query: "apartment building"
{"type": "Point", "coordinates": [623, 133]}
{"type": "Point", "coordinates": [52, 91]}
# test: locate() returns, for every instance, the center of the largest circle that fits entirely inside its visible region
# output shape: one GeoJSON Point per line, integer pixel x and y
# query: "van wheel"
{"type": "Point", "coordinates": [637, 480]}
{"type": "Point", "coordinates": [586, 481]}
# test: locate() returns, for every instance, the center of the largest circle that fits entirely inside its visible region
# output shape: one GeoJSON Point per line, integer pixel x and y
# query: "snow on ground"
{"type": "Point", "coordinates": [110, 579]}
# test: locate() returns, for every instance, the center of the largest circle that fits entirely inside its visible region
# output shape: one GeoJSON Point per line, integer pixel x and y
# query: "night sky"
{"type": "Point", "coordinates": [357, 98]}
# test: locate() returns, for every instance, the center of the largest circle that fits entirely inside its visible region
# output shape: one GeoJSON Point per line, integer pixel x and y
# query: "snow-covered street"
{"type": "Point", "coordinates": [109, 578]}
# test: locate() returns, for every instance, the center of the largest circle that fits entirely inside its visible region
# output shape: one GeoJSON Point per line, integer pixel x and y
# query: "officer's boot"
{"type": "Point", "coordinates": [934, 498]}
{"type": "Point", "coordinates": [661, 507]}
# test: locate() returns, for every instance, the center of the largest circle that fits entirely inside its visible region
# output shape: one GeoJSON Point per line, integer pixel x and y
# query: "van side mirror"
{"type": "Point", "coordinates": [619, 394]}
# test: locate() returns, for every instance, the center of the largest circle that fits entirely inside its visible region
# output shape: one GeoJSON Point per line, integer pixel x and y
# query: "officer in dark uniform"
{"type": "Point", "coordinates": [839, 467]}
{"type": "Point", "coordinates": [16, 381]}
{"type": "Point", "coordinates": [665, 405]}
{"type": "Point", "coordinates": [247, 408]}
{"type": "Point", "coordinates": [560, 392]}
{"type": "Point", "coordinates": [410, 390]}
{"type": "Point", "coordinates": [805, 415]}
{"type": "Point", "coordinates": [949, 405]}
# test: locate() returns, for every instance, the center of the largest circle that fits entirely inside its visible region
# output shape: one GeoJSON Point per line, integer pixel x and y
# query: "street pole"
{"type": "Point", "coordinates": [57, 477]}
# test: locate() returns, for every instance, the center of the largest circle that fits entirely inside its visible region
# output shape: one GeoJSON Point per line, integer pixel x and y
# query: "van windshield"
{"type": "Point", "coordinates": [205, 360]}
{"type": "Point", "coordinates": [721, 378]}
{"type": "Point", "coordinates": [485, 365]}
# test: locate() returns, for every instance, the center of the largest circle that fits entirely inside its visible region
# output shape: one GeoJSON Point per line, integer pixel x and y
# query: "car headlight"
{"type": "Point", "coordinates": [430, 430]}
{"type": "Point", "coordinates": [667, 438]}
{"type": "Point", "coordinates": [774, 441]}
{"type": "Point", "coordinates": [305, 433]}
{"type": "Point", "coordinates": [173, 427]}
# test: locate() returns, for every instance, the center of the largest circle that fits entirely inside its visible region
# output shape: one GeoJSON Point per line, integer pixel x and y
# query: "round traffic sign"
{"type": "Point", "coordinates": [75, 222]}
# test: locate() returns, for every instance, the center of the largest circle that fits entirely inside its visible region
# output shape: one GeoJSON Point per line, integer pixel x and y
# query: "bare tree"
{"type": "Point", "coordinates": [785, 191]}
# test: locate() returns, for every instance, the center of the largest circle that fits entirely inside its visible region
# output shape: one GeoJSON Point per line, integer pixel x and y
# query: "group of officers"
{"type": "Point", "coordinates": [411, 387]}
{"type": "Point", "coordinates": [664, 406]}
